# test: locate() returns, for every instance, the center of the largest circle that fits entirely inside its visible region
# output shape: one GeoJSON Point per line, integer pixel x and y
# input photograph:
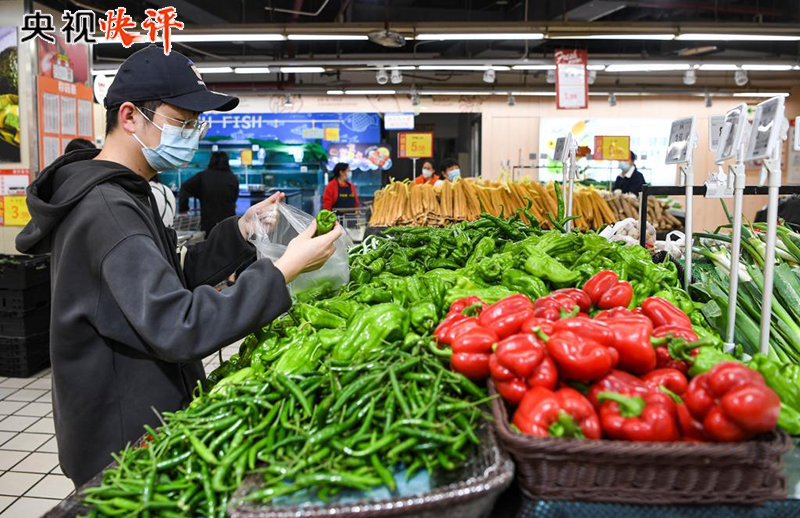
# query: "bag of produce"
{"type": "Point", "coordinates": [273, 234]}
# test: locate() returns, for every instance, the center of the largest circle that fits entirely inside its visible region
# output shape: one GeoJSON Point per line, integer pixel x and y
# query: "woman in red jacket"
{"type": "Point", "coordinates": [428, 175]}
{"type": "Point", "coordinates": [340, 193]}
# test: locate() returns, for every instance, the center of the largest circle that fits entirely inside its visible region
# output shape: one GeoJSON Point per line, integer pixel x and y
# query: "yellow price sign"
{"type": "Point", "coordinates": [612, 148]}
{"type": "Point", "coordinates": [247, 156]}
{"type": "Point", "coordinates": [331, 134]}
{"type": "Point", "coordinates": [415, 145]}
{"type": "Point", "coordinates": [15, 211]}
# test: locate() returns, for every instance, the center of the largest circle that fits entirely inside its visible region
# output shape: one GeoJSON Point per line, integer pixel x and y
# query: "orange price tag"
{"type": "Point", "coordinates": [15, 211]}
{"type": "Point", "coordinates": [415, 145]}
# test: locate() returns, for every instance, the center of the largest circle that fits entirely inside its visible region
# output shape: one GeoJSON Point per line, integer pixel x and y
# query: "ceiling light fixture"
{"type": "Point", "coordinates": [511, 101]}
{"type": "Point", "coordinates": [534, 67]}
{"type": "Point", "coordinates": [397, 77]}
{"type": "Point", "coordinates": [500, 36]}
{"type": "Point", "coordinates": [690, 77]}
{"type": "Point", "coordinates": [595, 67]}
{"type": "Point", "coordinates": [719, 67]}
{"type": "Point", "coordinates": [760, 94]}
{"type": "Point", "coordinates": [612, 99]}
{"type": "Point", "coordinates": [663, 37]}
{"type": "Point", "coordinates": [287, 101]}
{"type": "Point", "coordinates": [370, 92]}
{"type": "Point", "coordinates": [735, 37]}
{"type": "Point", "coordinates": [740, 78]}
{"type": "Point", "coordinates": [453, 92]}
{"type": "Point", "coordinates": [215, 70]}
{"type": "Point", "coordinates": [489, 76]}
{"type": "Point", "coordinates": [415, 100]}
{"type": "Point", "coordinates": [767, 68]}
{"type": "Point", "coordinates": [464, 67]}
{"type": "Point", "coordinates": [327, 37]}
{"type": "Point", "coordinates": [708, 102]}
{"type": "Point", "coordinates": [251, 70]}
{"type": "Point", "coordinates": [217, 37]}
{"type": "Point", "coordinates": [533, 94]}
{"type": "Point", "coordinates": [302, 70]}
{"type": "Point", "coordinates": [381, 77]}
{"type": "Point", "coordinates": [645, 67]}
{"type": "Point", "coordinates": [551, 77]}
{"type": "Point", "coordinates": [335, 92]}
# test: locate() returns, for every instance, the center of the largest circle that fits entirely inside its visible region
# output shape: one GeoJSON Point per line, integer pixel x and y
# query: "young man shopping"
{"type": "Point", "coordinates": [131, 318]}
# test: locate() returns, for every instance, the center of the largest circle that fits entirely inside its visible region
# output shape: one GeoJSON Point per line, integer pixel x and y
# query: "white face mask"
{"type": "Point", "coordinates": [427, 173]}
{"type": "Point", "coordinates": [452, 175]}
{"type": "Point", "coordinates": [173, 151]}
{"type": "Point", "coordinates": [625, 166]}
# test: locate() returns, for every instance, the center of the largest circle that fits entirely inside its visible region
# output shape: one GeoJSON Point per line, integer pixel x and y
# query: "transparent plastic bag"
{"type": "Point", "coordinates": [281, 224]}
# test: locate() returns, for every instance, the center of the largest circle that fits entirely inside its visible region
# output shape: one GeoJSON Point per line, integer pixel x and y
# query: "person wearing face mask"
{"type": "Point", "coordinates": [217, 189]}
{"type": "Point", "coordinates": [340, 193]}
{"type": "Point", "coordinates": [450, 171]}
{"type": "Point", "coordinates": [132, 318]}
{"type": "Point", "coordinates": [428, 175]}
{"type": "Point", "coordinates": [631, 180]}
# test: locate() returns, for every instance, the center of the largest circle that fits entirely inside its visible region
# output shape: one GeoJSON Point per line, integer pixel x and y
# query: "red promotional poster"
{"type": "Point", "coordinates": [572, 86]}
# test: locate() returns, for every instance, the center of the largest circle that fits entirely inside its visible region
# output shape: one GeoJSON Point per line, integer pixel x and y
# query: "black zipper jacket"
{"type": "Point", "coordinates": [131, 318]}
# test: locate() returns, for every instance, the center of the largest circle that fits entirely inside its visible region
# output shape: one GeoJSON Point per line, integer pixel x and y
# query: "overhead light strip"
{"type": "Point", "coordinates": [251, 70]}
{"type": "Point", "coordinates": [480, 36]}
{"type": "Point", "coordinates": [302, 70]}
{"type": "Point", "coordinates": [642, 37]}
{"type": "Point", "coordinates": [327, 37]}
{"type": "Point", "coordinates": [734, 37]}
{"type": "Point", "coordinates": [480, 68]}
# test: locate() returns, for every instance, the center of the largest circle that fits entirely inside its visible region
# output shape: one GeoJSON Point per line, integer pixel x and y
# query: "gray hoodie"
{"type": "Point", "coordinates": [129, 323]}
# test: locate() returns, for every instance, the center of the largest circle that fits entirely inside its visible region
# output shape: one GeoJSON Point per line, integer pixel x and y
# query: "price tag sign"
{"type": "Point", "coordinates": [415, 145]}
{"type": "Point", "coordinates": [612, 148]}
{"type": "Point", "coordinates": [558, 154]}
{"type": "Point", "coordinates": [732, 132]}
{"type": "Point", "coordinates": [15, 211]}
{"type": "Point", "coordinates": [331, 134]}
{"type": "Point", "coordinates": [681, 141]}
{"type": "Point", "coordinates": [246, 156]}
{"type": "Point", "coordinates": [398, 121]}
{"type": "Point", "coordinates": [572, 86]}
{"type": "Point", "coordinates": [766, 129]}
{"type": "Point", "coordinates": [715, 123]}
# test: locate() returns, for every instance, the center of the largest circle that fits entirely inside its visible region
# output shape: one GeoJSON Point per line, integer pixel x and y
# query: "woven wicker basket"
{"type": "Point", "coordinates": [645, 473]}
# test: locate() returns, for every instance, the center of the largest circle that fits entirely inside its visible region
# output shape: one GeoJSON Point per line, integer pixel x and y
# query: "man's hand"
{"type": "Point", "coordinates": [263, 211]}
{"type": "Point", "coordinates": [306, 253]}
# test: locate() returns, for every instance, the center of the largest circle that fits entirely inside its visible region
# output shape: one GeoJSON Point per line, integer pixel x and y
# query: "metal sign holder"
{"type": "Point", "coordinates": [682, 141]}
{"type": "Point", "coordinates": [566, 151]}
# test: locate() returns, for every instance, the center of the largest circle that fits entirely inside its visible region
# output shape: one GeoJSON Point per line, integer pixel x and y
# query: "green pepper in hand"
{"type": "Point", "coordinates": [326, 220]}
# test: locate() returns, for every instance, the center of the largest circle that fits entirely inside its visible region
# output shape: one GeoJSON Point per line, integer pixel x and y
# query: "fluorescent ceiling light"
{"type": "Point", "coordinates": [595, 67]}
{"type": "Point", "coordinates": [217, 37]}
{"type": "Point", "coordinates": [482, 36]}
{"type": "Point", "coordinates": [453, 93]}
{"type": "Point", "coordinates": [536, 94]}
{"type": "Point", "coordinates": [464, 67]}
{"type": "Point", "coordinates": [96, 72]}
{"type": "Point", "coordinates": [302, 70]}
{"type": "Point", "coordinates": [718, 67]}
{"type": "Point", "coordinates": [251, 70]}
{"type": "Point", "coordinates": [370, 92]}
{"type": "Point", "coordinates": [760, 94]}
{"type": "Point", "coordinates": [735, 37]}
{"type": "Point", "coordinates": [621, 94]}
{"type": "Point", "coordinates": [327, 37]}
{"type": "Point", "coordinates": [663, 37]}
{"type": "Point", "coordinates": [644, 67]}
{"type": "Point", "coordinates": [214, 70]}
{"type": "Point", "coordinates": [335, 92]}
{"type": "Point", "coordinates": [534, 67]}
{"type": "Point", "coordinates": [770, 68]}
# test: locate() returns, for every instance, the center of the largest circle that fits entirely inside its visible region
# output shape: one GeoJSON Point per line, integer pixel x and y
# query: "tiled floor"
{"type": "Point", "coordinates": [31, 482]}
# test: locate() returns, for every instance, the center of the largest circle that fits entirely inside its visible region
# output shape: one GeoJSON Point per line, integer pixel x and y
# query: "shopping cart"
{"type": "Point", "coordinates": [354, 221]}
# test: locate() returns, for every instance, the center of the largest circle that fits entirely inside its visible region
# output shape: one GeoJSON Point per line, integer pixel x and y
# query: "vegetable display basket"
{"type": "Point", "coordinates": [469, 492]}
{"type": "Point", "coordinates": [21, 357]}
{"type": "Point", "coordinates": [645, 473]}
{"type": "Point", "coordinates": [19, 272]}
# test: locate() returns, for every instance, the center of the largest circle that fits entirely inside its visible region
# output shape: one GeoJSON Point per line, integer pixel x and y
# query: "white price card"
{"type": "Point", "coordinates": [50, 113]}
{"type": "Point", "coordinates": [732, 133]}
{"type": "Point", "coordinates": [767, 125]}
{"type": "Point", "coordinates": [84, 119]}
{"type": "Point", "coordinates": [681, 141]}
{"type": "Point", "coordinates": [558, 155]}
{"type": "Point", "coordinates": [797, 133]}
{"type": "Point", "coordinates": [715, 123]}
{"type": "Point", "coordinates": [68, 115]}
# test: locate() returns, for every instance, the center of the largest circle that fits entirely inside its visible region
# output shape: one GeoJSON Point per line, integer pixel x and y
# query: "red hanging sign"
{"type": "Point", "coordinates": [572, 85]}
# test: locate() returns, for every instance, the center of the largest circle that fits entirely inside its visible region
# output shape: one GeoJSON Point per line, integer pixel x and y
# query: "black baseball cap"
{"type": "Point", "coordinates": [149, 75]}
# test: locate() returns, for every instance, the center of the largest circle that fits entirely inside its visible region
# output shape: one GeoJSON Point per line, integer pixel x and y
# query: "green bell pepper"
{"type": "Point", "coordinates": [417, 289]}
{"type": "Point", "coordinates": [785, 381]}
{"type": "Point", "coordinates": [328, 338]}
{"type": "Point", "coordinates": [317, 317]}
{"type": "Point", "coordinates": [540, 264]}
{"type": "Point", "coordinates": [326, 220]}
{"type": "Point", "coordinates": [522, 282]}
{"type": "Point", "coordinates": [484, 248]}
{"type": "Point", "coordinates": [707, 358]}
{"type": "Point", "coordinates": [297, 360]}
{"type": "Point", "coordinates": [376, 267]}
{"type": "Point", "coordinates": [387, 321]}
{"type": "Point", "coordinates": [359, 275]}
{"type": "Point", "coordinates": [491, 268]}
{"type": "Point", "coordinates": [424, 316]}
{"type": "Point", "coordinates": [323, 289]}
{"type": "Point", "coordinates": [343, 308]}
{"type": "Point", "coordinates": [401, 264]}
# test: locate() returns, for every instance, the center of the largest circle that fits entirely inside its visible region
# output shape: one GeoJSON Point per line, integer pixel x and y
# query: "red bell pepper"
{"type": "Point", "coordinates": [611, 314]}
{"type": "Point", "coordinates": [620, 382]}
{"type": "Point", "coordinates": [596, 330]}
{"type": "Point", "coordinates": [535, 324]}
{"type": "Point", "coordinates": [460, 327]}
{"type": "Point", "coordinates": [664, 313]}
{"type": "Point", "coordinates": [599, 284]}
{"type": "Point", "coordinates": [733, 402]}
{"type": "Point", "coordinates": [471, 351]}
{"type": "Point", "coordinates": [462, 304]}
{"type": "Point", "coordinates": [578, 296]}
{"type": "Point", "coordinates": [651, 417]}
{"type": "Point", "coordinates": [554, 306]}
{"type": "Point", "coordinates": [691, 429]}
{"type": "Point", "coordinates": [444, 326]}
{"type": "Point", "coordinates": [563, 413]}
{"type": "Point", "coordinates": [671, 379]}
{"type": "Point", "coordinates": [632, 342]}
{"type": "Point", "coordinates": [664, 360]}
{"type": "Point", "coordinates": [521, 362]}
{"type": "Point", "coordinates": [579, 358]}
{"type": "Point", "coordinates": [675, 331]}
{"type": "Point", "coordinates": [506, 316]}
{"type": "Point", "coordinates": [619, 296]}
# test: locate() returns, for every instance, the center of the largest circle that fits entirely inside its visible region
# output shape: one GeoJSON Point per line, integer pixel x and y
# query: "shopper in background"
{"type": "Point", "coordinates": [79, 143]}
{"type": "Point", "coordinates": [165, 200]}
{"type": "Point", "coordinates": [132, 319]}
{"type": "Point", "coordinates": [631, 180]}
{"type": "Point", "coordinates": [428, 175]}
{"type": "Point", "coordinates": [340, 193]}
{"type": "Point", "coordinates": [450, 171]}
{"type": "Point", "coordinates": [217, 189]}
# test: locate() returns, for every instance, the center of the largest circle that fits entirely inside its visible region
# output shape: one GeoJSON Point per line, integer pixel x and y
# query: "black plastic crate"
{"type": "Point", "coordinates": [32, 323]}
{"type": "Point", "coordinates": [15, 303]}
{"type": "Point", "coordinates": [18, 272]}
{"type": "Point", "coordinates": [21, 357]}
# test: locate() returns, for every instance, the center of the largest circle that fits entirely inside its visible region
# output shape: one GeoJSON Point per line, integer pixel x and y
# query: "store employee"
{"type": "Point", "coordinates": [631, 180]}
{"type": "Point", "coordinates": [131, 318]}
{"type": "Point", "coordinates": [340, 193]}
{"type": "Point", "coordinates": [428, 175]}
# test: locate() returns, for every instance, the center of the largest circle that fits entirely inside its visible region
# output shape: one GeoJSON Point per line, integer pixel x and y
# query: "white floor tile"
{"type": "Point", "coordinates": [27, 441]}
{"type": "Point", "coordinates": [17, 423]}
{"type": "Point", "coordinates": [9, 407]}
{"type": "Point", "coordinates": [27, 395]}
{"type": "Point", "coordinates": [50, 446]}
{"type": "Point", "coordinates": [16, 484]}
{"type": "Point", "coordinates": [5, 392]}
{"type": "Point", "coordinates": [5, 501]}
{"type": "Point", "coordinates": [16, 382]}
{"type": "Point", "coordinates": [10, 458]}
{"type": "Point", "coordinates": [43, 384]}
{"type": "Point", "coordinates": [57, 470]}
{"type": "Point", "coordinates": [44, 425]}
{"type": "Point", "coordinates": [5, 436]}
{"type": "Point", "coordinates": [45, 372]}
{"type": "Point", "coordinates": [28, 508]}
{"type": "Point", "coordinates": [52, 486]}
{"type": "Point", "coordinates": [37, 462]}
{"type": "Point", "coordinates": [47, 397]}
{"type": "Point", "coordinates": [34, 409]}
